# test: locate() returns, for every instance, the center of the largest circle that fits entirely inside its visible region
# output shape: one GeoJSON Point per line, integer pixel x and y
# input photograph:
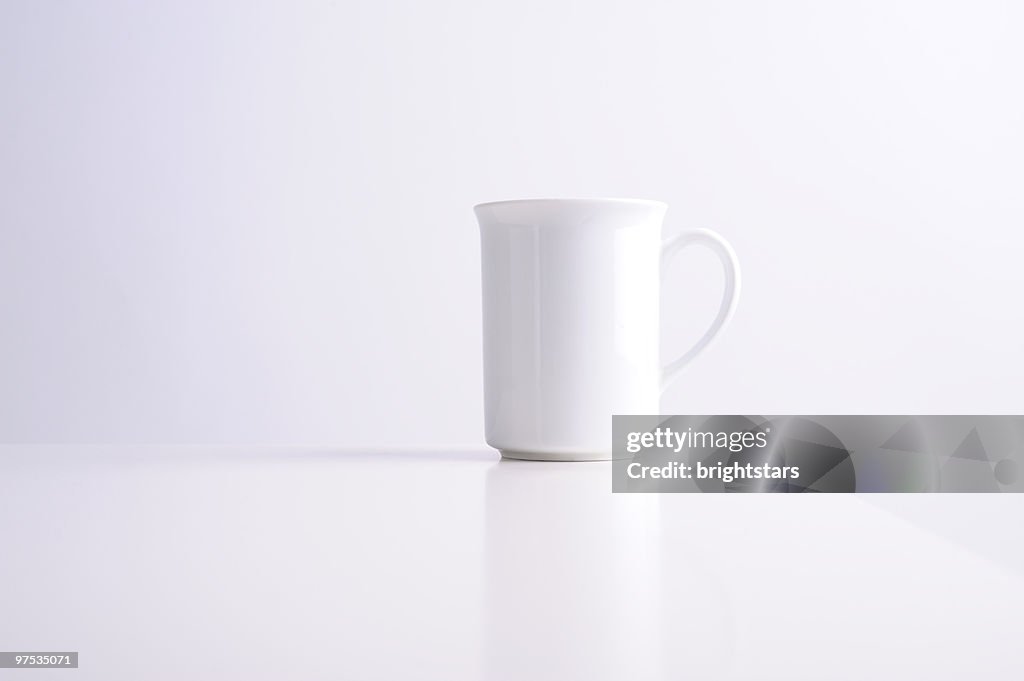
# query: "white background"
{"type": "Point", "coordinates": [251, 222]}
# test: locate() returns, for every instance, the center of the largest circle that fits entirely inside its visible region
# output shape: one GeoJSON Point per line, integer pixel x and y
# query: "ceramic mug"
{"type": "Point", "coordinates": [571, 298]}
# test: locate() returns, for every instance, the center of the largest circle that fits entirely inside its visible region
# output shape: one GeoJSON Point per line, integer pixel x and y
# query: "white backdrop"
{"type": "Point", "coordinates": [251, 222]}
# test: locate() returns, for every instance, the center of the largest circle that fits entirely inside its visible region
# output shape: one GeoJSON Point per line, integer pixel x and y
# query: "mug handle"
{"type": "Point", "coordinates": [730, 295]}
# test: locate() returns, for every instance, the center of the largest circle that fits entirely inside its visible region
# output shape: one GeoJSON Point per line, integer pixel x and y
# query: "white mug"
{"type": "Point", "coordinates": [571, 297]}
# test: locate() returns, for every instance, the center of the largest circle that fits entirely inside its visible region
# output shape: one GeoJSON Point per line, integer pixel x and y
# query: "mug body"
{"type": "Point", "coordinates": [570, 322]}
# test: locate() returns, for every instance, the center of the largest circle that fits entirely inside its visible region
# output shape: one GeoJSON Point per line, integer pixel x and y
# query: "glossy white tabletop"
{"type": "Point", "coordinates": [269, 563]}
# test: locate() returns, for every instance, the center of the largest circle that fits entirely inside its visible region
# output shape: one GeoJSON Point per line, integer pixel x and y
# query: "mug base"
{"type": "Point", "coordinates": [553, 456]}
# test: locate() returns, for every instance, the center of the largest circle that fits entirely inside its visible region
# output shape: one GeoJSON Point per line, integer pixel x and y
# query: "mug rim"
{"type": "Point", "coordinates": [641, 202]}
